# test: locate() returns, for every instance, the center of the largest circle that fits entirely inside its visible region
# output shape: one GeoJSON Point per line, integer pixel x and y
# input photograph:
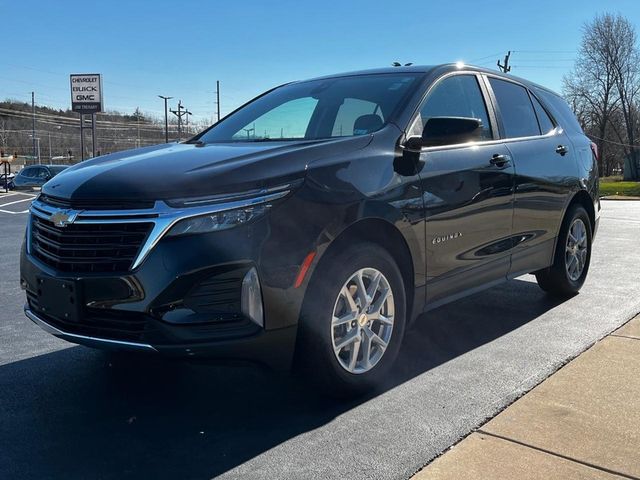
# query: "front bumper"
{"type": "Point", "coordinates": [184, 300]}
{"type": "Point", "coordinates": [85, 339]}
{"type": "Point", "coordinates": [272, 348]}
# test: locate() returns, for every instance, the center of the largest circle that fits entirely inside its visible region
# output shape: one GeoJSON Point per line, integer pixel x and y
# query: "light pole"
{"type": "Point", "coordinates": [188, 113]}
{"type": "Point", "coordinates": [166, 119]}
{"type": "Point", "coordinates": [58, 127]}
{"type": "Point", "coordinates": [36, 139]}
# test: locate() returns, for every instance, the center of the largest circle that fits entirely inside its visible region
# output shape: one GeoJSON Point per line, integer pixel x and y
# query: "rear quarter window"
{"type": "Point", "coordinates": [518, 116]}
{"type": "Point", "coordinates": [560, 110]}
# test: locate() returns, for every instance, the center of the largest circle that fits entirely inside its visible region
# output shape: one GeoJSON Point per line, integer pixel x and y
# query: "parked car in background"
{"type": "Point", "coordinates": [6, 181]}
{"type": "Point", "coordinates": [34, 176]}
{"type": "Point", "coordinates": [316, 222]}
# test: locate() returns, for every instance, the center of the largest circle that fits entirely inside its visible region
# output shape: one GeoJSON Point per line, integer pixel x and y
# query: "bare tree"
{"type": "Point", "coordinates": [628, 87]}
{"type": "Point", "coordinates": [604, 89]}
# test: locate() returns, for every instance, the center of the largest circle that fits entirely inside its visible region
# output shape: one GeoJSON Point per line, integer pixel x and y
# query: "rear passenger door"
{"type": "Point", "coordinates": [544, 163]}
{"type": "Point", "coordinates": [468, 193]}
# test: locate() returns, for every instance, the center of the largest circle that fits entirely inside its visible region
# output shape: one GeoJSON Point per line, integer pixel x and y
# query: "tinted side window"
{"type": "Point", "coordinates": [559, 108]}
{"type": "Point", "coordinates": [350, 112]}
{"type": "Point", "coordinates": [518, 117]}
{"type": "Point", "coordinates": [456, 96]}
{"type": "Point", "coordinates": [28, 172]}
{"type": "Point", "coordinates": [546, 125]}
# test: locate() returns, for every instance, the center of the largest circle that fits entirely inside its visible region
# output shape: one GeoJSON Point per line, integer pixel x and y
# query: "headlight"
{"type": "Point", "coordinates": [213, 222]}
{"type": "Point", "coordinates": [221, 212]}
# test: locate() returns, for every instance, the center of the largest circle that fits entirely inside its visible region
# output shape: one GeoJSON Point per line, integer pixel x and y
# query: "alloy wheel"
{"type": "Point", "coordinates": [576, 249]}
{"type": "Point", "coordinates": [362, 320]}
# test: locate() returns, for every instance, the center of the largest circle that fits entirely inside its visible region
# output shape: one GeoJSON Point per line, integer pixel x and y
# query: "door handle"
{"type": "Point", "coordinates": [562, 150]}
{"type": "Point", "coordinates": [500, 160]}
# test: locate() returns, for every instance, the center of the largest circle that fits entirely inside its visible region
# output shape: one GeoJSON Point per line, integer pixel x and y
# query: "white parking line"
{"type": "Point", "coordinates": [13, 213]}
{"type": "Point", "coordinates": [16, 193]}
{"type": "Point", "coordinates": [16, 201]}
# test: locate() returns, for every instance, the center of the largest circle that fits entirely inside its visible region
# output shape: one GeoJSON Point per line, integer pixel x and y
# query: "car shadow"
{"type": "Point", "coordinates": [80, 413]}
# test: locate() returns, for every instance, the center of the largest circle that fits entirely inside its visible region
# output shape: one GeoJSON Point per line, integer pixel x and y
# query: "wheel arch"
{"type": "Point", "coordinates": [387, 236]}
{"type": "Point", "coordinates": [582, 198]}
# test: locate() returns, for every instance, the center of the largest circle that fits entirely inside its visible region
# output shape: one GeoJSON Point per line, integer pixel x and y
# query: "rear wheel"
{"type": "Point", "coordinates": [572, 257]}
{"type": "Point", "coordinates": [352, 321]}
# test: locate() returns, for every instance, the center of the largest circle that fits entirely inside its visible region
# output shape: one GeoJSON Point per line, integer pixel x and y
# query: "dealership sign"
{"type": "Point", "coordinates": [86, 93]}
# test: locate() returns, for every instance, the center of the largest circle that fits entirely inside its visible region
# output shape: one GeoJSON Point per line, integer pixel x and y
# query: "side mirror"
{"type": "Point", "coordinates": [450, 131]}
{"type": "Point", "coordinates": [413, 144]}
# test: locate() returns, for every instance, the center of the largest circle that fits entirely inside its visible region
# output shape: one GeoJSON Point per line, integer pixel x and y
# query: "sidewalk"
{"type": "Point", "coordinates": [583, 422]}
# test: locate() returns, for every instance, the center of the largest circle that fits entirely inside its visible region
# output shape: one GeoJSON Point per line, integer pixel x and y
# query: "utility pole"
{"type": "Point", "coordinates": [166, 120]}
{"type": "Point", "coordinates": [179, 113]}
{"type": "Point", "coordinates": [218, 98]}
{"type": "Point", "coordinates": [505, 68]}
{"type": "Point", "coordinates": [248, 132]}
{"type": "Point", "coordinates": [33, 126]}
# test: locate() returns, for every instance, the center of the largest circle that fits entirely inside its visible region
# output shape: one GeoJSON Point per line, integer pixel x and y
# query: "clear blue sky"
{"type": "Point", "coordinates": [180, 48]}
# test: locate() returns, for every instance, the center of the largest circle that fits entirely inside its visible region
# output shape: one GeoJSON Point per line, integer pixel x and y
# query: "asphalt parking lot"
{"type": "Point", "coordinates": [72, 412]}
{"type": "Point", "coordinates": [15, 203]}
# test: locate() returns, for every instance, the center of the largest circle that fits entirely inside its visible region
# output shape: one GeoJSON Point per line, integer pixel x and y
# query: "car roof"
{"type": "Point", "coordinates": [47, 165]}
{"type": "Point", "coordinates": [441, 69]}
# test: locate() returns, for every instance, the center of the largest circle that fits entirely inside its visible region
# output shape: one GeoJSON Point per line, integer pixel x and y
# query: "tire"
{"type": "Point", "coordinates": [572, 257]}
{"type": "Point", "coordinates": [343, 371]}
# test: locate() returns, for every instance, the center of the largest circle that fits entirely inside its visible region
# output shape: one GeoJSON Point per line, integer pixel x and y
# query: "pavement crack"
{"type": "Point", "coordinates": [559, 455]}
{"type": "Point", "coordinates": [623, 336]}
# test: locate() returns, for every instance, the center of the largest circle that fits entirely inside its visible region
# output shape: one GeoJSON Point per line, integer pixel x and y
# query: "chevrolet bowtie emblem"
{"type": "Point", "coordinates": [62, 218]}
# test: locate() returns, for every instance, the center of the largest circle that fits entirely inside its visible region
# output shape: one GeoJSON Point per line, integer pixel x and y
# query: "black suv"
{"type": "Point", "coordinates": [312, 225]}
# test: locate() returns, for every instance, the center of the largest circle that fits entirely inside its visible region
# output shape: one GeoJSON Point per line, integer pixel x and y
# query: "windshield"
{"type": "Point", "coordinates": [334, 107]}
{"type": "Point", "coordinates": [56, 170]}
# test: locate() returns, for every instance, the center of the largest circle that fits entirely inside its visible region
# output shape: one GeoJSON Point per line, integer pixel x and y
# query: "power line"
{"type": "Point", "coordinates": [612, 142]}
{"type": "Point", "coordinates": [74, 120]}
{"type": "Point", "coordinates": [493, 55]}
{"type": "Point", "coordinates": [544, 51]}
{"type": "Point", "coordinates": [543, 66]}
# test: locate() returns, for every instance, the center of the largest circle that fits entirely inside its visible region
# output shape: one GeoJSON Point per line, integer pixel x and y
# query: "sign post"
{"type": "Point", "coordinates": [86, 99]}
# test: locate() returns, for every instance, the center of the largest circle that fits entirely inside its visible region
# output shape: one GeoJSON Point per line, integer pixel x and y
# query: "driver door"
{"type": "Point", "coordinates": [468, 196]}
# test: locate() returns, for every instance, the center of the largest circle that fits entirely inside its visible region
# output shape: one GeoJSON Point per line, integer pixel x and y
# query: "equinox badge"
{"type": "Point", "coordinates": [444, 238]}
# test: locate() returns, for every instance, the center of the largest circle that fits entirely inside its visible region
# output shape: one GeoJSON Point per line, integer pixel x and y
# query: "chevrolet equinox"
{"type": "Point", "coordinates": [312, 225]}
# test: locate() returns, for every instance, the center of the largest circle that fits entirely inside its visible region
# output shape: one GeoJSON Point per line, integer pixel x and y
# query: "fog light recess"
{"type": "Point", "coordinates": [252, 297]}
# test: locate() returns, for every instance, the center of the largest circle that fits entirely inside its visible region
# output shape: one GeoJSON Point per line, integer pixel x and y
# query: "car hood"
{"type": "Point", "coordinates": [179, 170]}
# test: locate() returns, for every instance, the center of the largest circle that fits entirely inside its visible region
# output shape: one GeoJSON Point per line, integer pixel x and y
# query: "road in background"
{"type": "Point", "coordinates": [72, 412]}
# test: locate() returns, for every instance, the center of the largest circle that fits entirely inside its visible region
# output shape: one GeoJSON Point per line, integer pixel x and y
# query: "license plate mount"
{"type": "Point", "coordinates": [59, 298]}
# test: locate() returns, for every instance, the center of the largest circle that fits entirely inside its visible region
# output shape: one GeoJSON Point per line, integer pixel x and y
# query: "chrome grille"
{"type": "Point", "coordinates": [87, 248]}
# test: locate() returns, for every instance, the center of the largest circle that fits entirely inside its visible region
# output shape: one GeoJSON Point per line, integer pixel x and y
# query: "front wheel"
{"type": "Point", "coordinates": [352, 321]}
{"type": "Point", "coordinates": [572, 257]}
